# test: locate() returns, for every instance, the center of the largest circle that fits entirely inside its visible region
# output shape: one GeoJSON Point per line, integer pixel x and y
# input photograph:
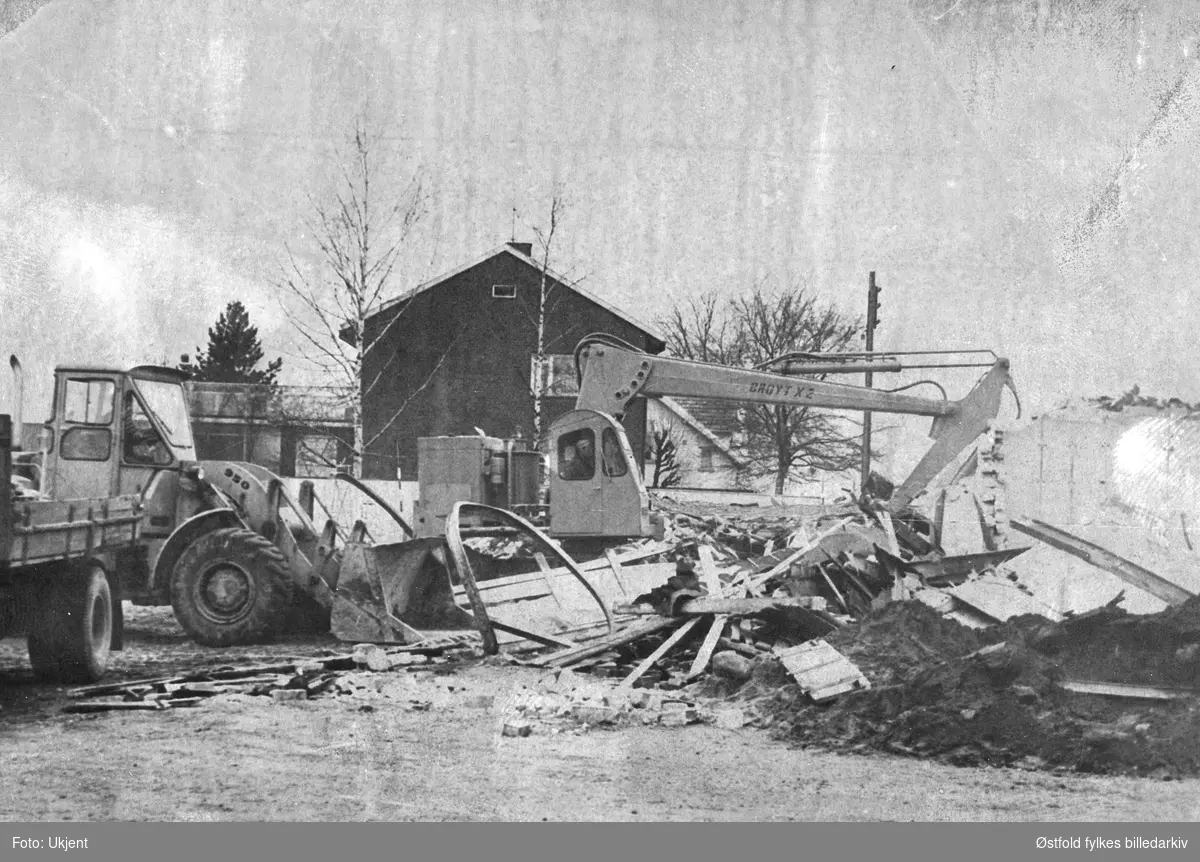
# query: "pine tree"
{"type": "Point", "coordinates": [233, 352]}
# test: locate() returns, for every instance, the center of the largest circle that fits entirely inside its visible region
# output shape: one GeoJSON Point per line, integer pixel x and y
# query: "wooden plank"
{"type": "Point", "coordinates": [585, 632]}
{"type": "Point", "coordinates": [821, 671]}
{"type": "Point", "coordinates": [1123, 689]}
{"type": "Point", "coordinates": [528, 634]}
{"type": "Point", "coordinates": [1102, 558]}
{"type": "Point", "coordinates": [837, 594]}
{"type": "Point", "coordinates": [500, 594]}
{"type": "Point", "coordinates": [820, 695]}
{"type": "Point", "coordinates": [618, 638]}
{"type": "Point", "coordinates": [544, 568]}
{"type": "Point", "coordinates": [710, 644]}
{"type": "Point", "coordinates": [547, 584]}
{"type": "Point", "coordinates": [784, 564]}
{"type": "Point", "coordinates": [115, 706]}
{"type": "Point", "coordinates": [663, 649]}
{"type": "Point", "coordinates": [828, 675]}
{"type": "Point", "coordinates": [707, 571]}
{"type": "Point", "coordinates": [742, 607]}
{"type": "Point", "coordinates": [615, 565]}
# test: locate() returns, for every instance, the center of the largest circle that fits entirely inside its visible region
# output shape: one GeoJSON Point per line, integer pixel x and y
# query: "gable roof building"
{"type": "Point", "coordinates": [454, 355]}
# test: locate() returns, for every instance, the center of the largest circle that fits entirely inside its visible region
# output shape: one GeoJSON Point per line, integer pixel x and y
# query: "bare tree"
{"type": "Point", "coordinates": [545, 238]}
{"type": "Point", "coordinates": [750, 329]}
{"type": "Point", "coordinates": [359, 236]}
{"type": "Point", "coordinates": [548, 298]}
{"type": "Point", "coordinates": [703, 329]}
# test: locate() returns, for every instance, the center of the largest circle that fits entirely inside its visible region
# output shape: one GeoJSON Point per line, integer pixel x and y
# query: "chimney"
{"type": "Point", "coordinates": [525, 248]}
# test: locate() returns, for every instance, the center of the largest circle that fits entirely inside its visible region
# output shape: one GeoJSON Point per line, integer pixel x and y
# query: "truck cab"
{"type": "Point", "coordinates": [115, 433]}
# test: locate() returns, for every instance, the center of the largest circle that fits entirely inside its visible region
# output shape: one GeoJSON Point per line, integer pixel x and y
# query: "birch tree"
{"type": "Point", "coordinates": [358, 236]}
{"type": "Point", "coordinates": [545, 237]}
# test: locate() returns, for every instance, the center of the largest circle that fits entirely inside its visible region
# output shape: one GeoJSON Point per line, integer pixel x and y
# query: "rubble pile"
{"type": "Point", "coordinates": [846, 629]}
{"type": "Point", "coordinates": [1003, 697]}
{"type": "Point", "coordinates": [1135, 398]}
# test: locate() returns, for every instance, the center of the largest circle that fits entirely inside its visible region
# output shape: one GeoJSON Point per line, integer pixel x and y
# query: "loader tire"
{"type": "Point", "coordinates": [231, 587]}
{"type": "Point", "coordinates": [74, 635]}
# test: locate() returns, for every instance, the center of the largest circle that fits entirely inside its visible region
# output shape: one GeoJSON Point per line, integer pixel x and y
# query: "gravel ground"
{"type": "Point", "coordinates": [366, 757]}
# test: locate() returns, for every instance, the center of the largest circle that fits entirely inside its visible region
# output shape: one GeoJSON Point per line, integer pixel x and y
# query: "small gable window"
{"type": "Point", "coordinates": [504, 291]}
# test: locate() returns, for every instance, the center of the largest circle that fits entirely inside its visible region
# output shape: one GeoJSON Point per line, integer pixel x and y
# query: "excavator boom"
{"type": "Point", "coordinates": [612, 373]}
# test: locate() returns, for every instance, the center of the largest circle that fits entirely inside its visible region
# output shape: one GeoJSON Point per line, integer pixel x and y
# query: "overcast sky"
{"type": "Point", "coordinates": [1020, 175]}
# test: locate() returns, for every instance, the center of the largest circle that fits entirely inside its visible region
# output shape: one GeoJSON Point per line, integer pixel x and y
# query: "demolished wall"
{"type": "Point", "coordinates": [1123, 475]}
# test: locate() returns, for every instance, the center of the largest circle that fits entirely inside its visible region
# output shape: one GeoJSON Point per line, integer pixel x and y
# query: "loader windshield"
{"type": "Point", "coordinates": [167, 403]}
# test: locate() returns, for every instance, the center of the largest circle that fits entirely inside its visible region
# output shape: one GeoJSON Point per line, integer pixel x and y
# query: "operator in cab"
{"type": "Point", "coordinates": [577, 460]}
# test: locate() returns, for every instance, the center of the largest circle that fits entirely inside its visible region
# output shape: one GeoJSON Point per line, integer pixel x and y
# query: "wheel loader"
{"type": "Point", "coordinates": [225, 543]}
{"type": "Point", "coordinates": [237, 556]}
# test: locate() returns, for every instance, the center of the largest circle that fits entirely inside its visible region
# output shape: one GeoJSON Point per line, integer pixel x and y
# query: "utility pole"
{"type": "Point", "coordinates": [872, 321]}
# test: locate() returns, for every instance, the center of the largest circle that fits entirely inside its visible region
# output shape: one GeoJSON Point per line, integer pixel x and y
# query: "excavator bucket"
{"type": "Point", "coordinates": [395, 593]}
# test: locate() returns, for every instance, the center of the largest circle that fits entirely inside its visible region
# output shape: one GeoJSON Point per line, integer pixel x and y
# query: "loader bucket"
{"type": "Point", "coordinates": [394, 593]}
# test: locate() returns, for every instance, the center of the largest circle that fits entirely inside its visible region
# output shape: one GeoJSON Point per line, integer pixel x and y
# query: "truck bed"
{"type": "Point", "coordinates": [45, 530]}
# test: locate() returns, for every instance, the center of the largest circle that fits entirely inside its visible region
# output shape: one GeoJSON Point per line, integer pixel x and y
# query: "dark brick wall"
{"type": "Point", "coordinates": [457, 358]}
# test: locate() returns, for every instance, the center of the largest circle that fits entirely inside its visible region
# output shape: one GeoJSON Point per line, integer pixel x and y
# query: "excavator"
{"type": "Point", "coordinates": [612, 500]}
{"type": "Point", "coordinates": [596, 491]}
{"type": "Point", "coordinates": [235, 553]}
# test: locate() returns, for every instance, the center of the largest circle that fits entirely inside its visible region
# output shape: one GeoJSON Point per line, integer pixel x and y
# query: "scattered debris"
{"type": "Point", "coordinates": [847, 629]}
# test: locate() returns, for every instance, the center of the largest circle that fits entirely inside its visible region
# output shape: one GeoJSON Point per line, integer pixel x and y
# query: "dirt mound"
{"type": "Point", "coordinates": [944, 691]}
{"type": "Point", "coordinates": [889, 644]}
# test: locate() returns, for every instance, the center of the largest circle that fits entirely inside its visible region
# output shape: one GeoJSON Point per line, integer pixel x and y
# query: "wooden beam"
{"type": "Point", "coordinates": [540, 637]}
{"type": "Point", "coordinates": [618, 638]}
{"type": "Point", "coordinates": [662, 650]}
{"type": "Point", "coordinates": [742, 607]}
{"type": "Point", "coordinates": [710, 644]}
{"type": "Point", "coordinates": [1124, 689]}
{"type": "Point", "coordinates": [707, 571]}
{"type": "Point", "coordinates": [761, 578]}
{"type": "Point", "coordinates": [1102, 558]}
{"type": "Point", "coordinates": [615, 565]}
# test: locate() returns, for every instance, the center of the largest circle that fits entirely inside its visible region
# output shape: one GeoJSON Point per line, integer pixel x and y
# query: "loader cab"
{"type": "Point", "coordinates": [119, 432]}
{"type": "Point", "coordinates": [595, 486]}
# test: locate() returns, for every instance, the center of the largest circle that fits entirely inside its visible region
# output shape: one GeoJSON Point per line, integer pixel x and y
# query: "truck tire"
{"type": "Point", "coordinates": [74, 636]}
{"type": "Point", "coordinates": [231, 587]}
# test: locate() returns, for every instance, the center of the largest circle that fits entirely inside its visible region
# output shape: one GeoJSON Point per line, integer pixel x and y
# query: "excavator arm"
{"type": "Point", "coordinates": [612, 373]}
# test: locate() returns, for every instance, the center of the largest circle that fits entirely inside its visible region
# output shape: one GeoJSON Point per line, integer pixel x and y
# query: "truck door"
{"type": "Point", "coordinates": [83, 465]}
{"type": "Point", "coordinates": [149, 468]}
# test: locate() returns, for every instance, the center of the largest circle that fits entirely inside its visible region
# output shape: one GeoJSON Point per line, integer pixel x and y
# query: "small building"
{"type": "Point", "coordinates": [456, 355]}
{"type": "Point", "coordinates": [702, 459]}
{"type": "Point", "coordinates": [293, 431]}
{"type": "Point", "coordinates": [710, 436]}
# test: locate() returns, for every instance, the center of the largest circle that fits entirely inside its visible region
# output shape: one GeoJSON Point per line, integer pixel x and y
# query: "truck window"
{"type": "Point", "coordinates": [167, 402]}
{"type": "Point", "coordinates": [142, 445]}
{"type": "Point", "coordinates": [85, 444]}
{"type": "Point", "coordinates": [89, 402]}
{"type": "Point", "coordinates": [614, 458]}
{"type": "Point", "coordinates": [577, 455]}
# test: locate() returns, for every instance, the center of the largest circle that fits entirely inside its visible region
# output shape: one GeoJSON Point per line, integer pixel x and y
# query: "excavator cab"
{"type": "Point", "coordinates": [595, 487]}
